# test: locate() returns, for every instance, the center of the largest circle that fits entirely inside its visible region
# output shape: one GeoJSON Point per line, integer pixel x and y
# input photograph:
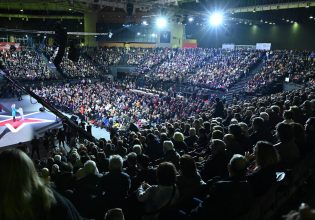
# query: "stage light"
{"type": "Point", "coordinates": [161, 22]}
{"type": "Point", "coordinates": [216, 19]}
{"type": "Point", "coordinates": [190, 19]}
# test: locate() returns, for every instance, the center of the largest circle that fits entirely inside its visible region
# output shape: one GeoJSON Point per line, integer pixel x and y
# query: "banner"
{"type": "Point", "coordinates": [228, 46]}
{"type": "Point", "coordinates": [190, 43]}
{"type": "Point", "coordinates": [165, 37]}
{"type": "Point", "coordinates": [8, 45]}
{"type": "Point", "coordinates": [263, 46]}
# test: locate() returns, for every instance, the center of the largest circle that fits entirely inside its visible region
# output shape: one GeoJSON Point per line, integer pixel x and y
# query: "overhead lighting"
{"type": "Point", "coordinates": [261, 21]}
{"type": "Point", "coordinates": [254, 10]}
{"type": "Point", "coordinates": [153, 35]}
{"type": "Point", "coordinates": [21, 10]}
{"type": "Point", "coordinates": [288, 20]}
{"type": "Point", "coordinates": [216, 19]}
{"type": "Point", "coordinates": [145, 23]}
{"type": "Point", "coordinates": [81, 22]}
{"type": "Point", "coordinates": [266, 22]}
{"type": "Point", "coordinates": [70, 9]}
{"type": "Point", "coordinates": [311, 17]}
{"type": "Point", "coordinates": [138, 34]}
{"type": "Point", "coordinates": [292, 22]}
{"type": "Point", "coordinates": [190, 19]}
{"type": "Point", "coordinates": [161, 22]}
{"type": "Point", "coordinates": [110, 35]}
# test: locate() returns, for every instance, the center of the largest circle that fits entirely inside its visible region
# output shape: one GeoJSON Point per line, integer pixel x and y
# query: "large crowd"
{"type": "Point", "coordinates": [297, 66]}
{"type": "Point", "coordinates": [211, 164]}
{"type": "Point", "coordinates": [26, 64]}
{"type": "Point", "coordinates": [183, 158]}
{"type": "Point", "coordinates": [204, 68]}
{"type": "Point", "coordinates": [226, 68]}
{"type": "Point", "coordinates": [118, 104]}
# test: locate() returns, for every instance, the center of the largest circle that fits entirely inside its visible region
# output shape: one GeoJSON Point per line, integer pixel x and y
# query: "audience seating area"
{"type": "Point", "coordinates": [168, 156]}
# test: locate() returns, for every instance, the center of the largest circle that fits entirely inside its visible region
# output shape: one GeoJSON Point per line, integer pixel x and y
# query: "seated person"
{"type": "Point", "coordinates": [229, 198]}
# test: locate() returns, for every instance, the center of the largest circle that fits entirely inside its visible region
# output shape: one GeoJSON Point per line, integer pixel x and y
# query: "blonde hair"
{"type": "Point", "coordinates": [22, 191]}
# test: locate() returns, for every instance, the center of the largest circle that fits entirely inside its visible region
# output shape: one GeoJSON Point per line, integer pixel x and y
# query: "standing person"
{"type": "Point", "coordinates": [13, 111]}
{"type": "Point", "coordinates": [61, 137]}
{"type": "Point", "coordinates": [35, 147]}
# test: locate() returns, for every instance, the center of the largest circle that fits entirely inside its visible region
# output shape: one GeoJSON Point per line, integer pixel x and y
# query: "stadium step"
{"type": "Point", "coordinates": [239, 88]}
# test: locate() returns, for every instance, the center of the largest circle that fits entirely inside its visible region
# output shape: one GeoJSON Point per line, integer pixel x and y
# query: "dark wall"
{"type": "Point", "coordinates": [282, 36]}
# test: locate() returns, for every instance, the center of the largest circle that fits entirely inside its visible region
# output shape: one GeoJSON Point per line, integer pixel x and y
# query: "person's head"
{"type": "Point", "coordinates": [310, 126]}
{"type": "Point", "coordinates": [266, 154]}
{"type": "Point", "coordinates": [258, 124]}
{"type": "Point", "coordinates": [237, 166]}
{"type": "Point", "coordinates": [284, 132]}
{"type": "Point", "coordinates": [217, 147]}
{"type": "Point", "coordinates": [187, 166]}
{"type": "Point", "coordinates": [178, 137]}
{"type": "Point", "coordinates": [229, 140]}
{"type": "Point", "coordinates": [216, 134]}
{"type": "Point", "coordinates": [236, 130]}
{"type": "Point", "coordinates": [137, 149]}
{"type": "Point", "coordinates": [244, 128]}
{"type": "Point", "coordinates": [132, 159]}
{"type": "Point", "coordinates": [115, 163]}
{"type": "Point", "coordinates": [114, 214]}
{"type": "Point", "coordinates": [264, 115]}
{"type": "Point", "coordinates": [167, 146]}
{"type": "Point", "coordinates": [90, 167]}
{"type": "Point", "coordinates": [166, 174]}
{"type": "Point", "coordinates": [192, 132]}
{"type": "Point", "coordinates": [288, 115]}
{"type": "Point", "coordinates": [22, 191]}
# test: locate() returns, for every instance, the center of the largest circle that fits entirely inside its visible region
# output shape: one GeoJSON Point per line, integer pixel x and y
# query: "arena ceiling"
{"type": "Point", "coordinates": [275, 10]}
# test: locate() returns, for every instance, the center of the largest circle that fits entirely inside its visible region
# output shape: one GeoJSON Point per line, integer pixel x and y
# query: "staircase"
{"type": "Point", "coordinates": [51, 66]}
{"type": "Point", "coordinates": [239, 87]}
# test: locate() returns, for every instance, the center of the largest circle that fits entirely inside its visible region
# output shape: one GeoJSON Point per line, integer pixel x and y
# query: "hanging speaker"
{"type": "Point", "coordinates": [129, 9]}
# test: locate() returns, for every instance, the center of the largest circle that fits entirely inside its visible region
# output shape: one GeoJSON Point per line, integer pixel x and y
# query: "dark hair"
{"type": "Point", "coordinates": [258, 123]}
{"type": "Point", "coordinates": [236, 130]}
{"type": "Point", "coordinates": [216, 134]}
{"type": "Point", "coordinates": [187, 166]}
{"type": "Point", "coordinates": [288, 114]}
{"type": "Point", "coordinates": [266, 154]}
{"type": "Point", "coordinates": [166, 174]}
{"type": "Point", "coordinates": [284, 132]}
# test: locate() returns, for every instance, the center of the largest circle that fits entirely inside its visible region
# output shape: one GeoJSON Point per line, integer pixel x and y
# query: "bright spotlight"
{"type": "Point", "coordinates": [216, 19]}
{"type": "Point", "coordinates": [161, 22]}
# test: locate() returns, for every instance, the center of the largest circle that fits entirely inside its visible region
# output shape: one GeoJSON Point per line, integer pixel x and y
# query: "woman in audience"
{"type": "Point", "coordinates": [25, 196]}
{"type": "Point", "coordinates": [263, 175]}
{"type": "Point", "coordinates": [288, 151]}
{"type": "Point", "coordinates": [158, 198]}
{"type": "Point", "coordinates": [189, 181]}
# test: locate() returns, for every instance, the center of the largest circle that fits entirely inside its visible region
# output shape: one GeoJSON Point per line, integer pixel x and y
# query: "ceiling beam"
{"type": "Point", "coordinates": [30, 16]}
{"type": "Point", "coordinates": [271, 7]}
